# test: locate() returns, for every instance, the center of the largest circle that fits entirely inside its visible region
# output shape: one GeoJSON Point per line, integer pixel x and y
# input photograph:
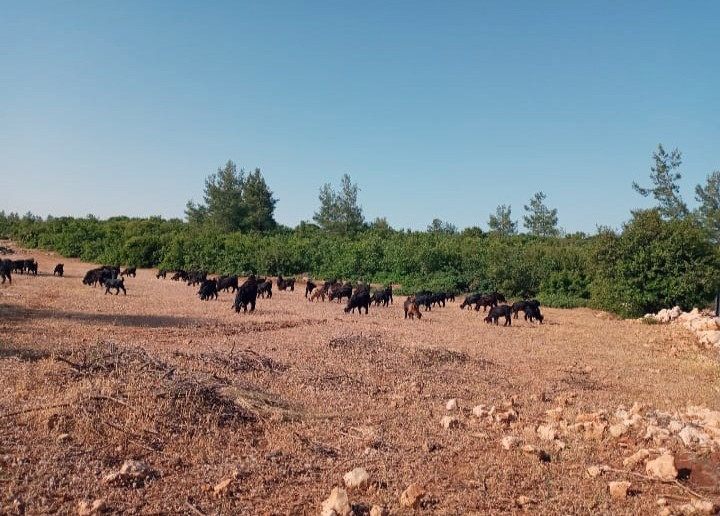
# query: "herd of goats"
{"type": "Point", "coordinates": [359, 296]}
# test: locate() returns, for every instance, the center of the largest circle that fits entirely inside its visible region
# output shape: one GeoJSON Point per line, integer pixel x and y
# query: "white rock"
{"type": "Point", "coordinates": [662, 468]}
{"type": "Point", "coordinates": [675, 426]}
{"type": "Point", "coordinates": [377, 510]}
{"type": "Point", "coordinates": [619, 490]}
{"type": "Point", "coordinates": [412, 496]}
{"type": "Point", "coordinates": [546, 432]}
{"type": "Point", "coordinates": [510, 442]}
{"type": "Point", "coordinates": [618, 430]}
{"type": "Point", "coordinates": [657, 434]}
{"type": "Point", "coordinates": [691, 436]}
{"type": "Point", "coordinates": [98, 506]}
{"type": "Point", "coordinates": [358, 478]}
{"type": "Point", "coordinates": [636, 458]}
{"type": "Point", "coordinates": [337, 504]}
{"type": "Point", "coordinates": [449, 422]}
{"type": "Point", "coordinates": [451, 404]}
{"type": "Point", "coordinates": [480, 411]}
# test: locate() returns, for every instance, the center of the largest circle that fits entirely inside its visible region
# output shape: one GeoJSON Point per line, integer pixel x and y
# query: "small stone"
{"type": "Point", "coordinates": [480, 411]}
{"type": "Point", "coordinates": [223, 487]}
{"type": "Point", "coordinates": [336, 504]}
{"type": "Point", "coordinates": [675, 426]}
{"type": "Point", "coordinates": [619, 490]}
{"type": "Point", "coordinates": [657, 434]}
{"type": "Point", "coordinates": [510, 442]}
{"type": "Point", "coordinates": [85, 508]}
{"type": "Point", "coordinates": [703, 506]}
{"type": "Point", "coordinates": [665, 511]}
{"type": "Point", "coordinates": [588, 369]}
{"type": "Point", "coordinates": [529, 448]}
{"type": "Point", "coordinates": [559, 445]}
{"type": "Point", "coordinates": [594, 471]}
{"type": "Point", "coordinates": [618, 430]}
{"type": "Point", "coordinates": [377, 510]}
{"type": "Point", "coordinates": [636, 458]}
{"type": "Point", "coordinates": [594, 430]}
{"type": "Point", "coordinates": [451, 404]}
{"type": "Point", "coordinates": [135, 470]}
{"type": "Point", "coordinates": [661, 502]}
{"type": "Point", "coordinates": [412, 496]}
{"type": "Point", "coordinates": [522, 501]}
{"type": "Point", "coordinates": [356, 479]}
{"type": "Point", "coordinates": [662, 468]}
{"type": "Point", "coordinates": [546, 432]}
{"type": "Point", "coordinates": [449, 422]}
{"type": "Point", "coordinates": [691, 436]}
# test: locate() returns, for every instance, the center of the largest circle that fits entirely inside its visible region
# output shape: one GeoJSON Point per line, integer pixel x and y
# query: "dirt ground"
{"type": "Point", "coordinates": [284, 401]}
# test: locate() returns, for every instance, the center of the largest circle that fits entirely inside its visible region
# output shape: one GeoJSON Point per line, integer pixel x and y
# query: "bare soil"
{"type": "Point", "coordinates": [285, 400]}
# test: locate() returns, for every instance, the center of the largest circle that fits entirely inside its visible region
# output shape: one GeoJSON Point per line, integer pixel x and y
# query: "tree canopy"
{"type": "Point", "coordinates": [234, 202]}
{"type": "Point", "coordinates": [501, 222]}
{"type": "Point", "coordinates": [339, 211]}
{"type": "Point", "coordinates": [540, 220]}
{"type": "Point", "coordinates": [664, 177]}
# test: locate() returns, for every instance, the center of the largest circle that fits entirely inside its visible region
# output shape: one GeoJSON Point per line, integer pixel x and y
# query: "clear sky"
{"type": "Point", "coordinates": [436, 109]}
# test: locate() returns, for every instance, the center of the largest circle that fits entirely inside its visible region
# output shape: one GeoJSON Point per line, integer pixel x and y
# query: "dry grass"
{"type": "Point", "coordinates": [291, 397]}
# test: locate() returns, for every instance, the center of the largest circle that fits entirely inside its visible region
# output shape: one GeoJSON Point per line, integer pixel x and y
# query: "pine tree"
{"type": "Point", "coordinates": [540, 220]}
{"type": "Point", "coordinates": [501, 222]}
{"type": "Point", "coordinates": [339, 212]}
{"type": "Point", "coordinates": [664, 176]}
{"type": "Point", "coordinates": [709, 210]}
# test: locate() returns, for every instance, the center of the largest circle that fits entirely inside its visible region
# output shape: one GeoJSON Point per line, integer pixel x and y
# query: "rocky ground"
{"type": "Point", "coordinates": [158, 403]}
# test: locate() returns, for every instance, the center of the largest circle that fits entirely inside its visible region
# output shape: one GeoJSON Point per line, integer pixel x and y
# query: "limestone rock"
{"type": "Point", "coordinates": [412, 496]}
{"type": "Point", "coordinates": [222, 487]}
{"type": "Point", "coordinates": [509, 442]}
{"type": "Point", "coordinates": [619, 489]}
{"type": "Point", "coordinates": [85, 508]}
{"type": "Point", "coordinates": [480, 411]}
{"type": "Point", "coordinates": [451, 404]}
{"type": "Point", "coordinates": [337, 504]}
{"type": "Point", "coordinates": [618, 430]}
{"type": "Point", "coordinates": [377, 510]}
{"type": "Point", "coordinates": [449, 422]}
{"type": "Point", "coordinates": [662, 468]}
{"type": "Point", "coordinates": [358, 478]}
{"type": "Point", "coordinates": [636, 458]}
{"type": "Point", "coordinates": [546, 432]}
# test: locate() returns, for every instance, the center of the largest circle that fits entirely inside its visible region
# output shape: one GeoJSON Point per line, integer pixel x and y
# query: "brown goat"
{"type": "Point", "coordinates": [411, 308]}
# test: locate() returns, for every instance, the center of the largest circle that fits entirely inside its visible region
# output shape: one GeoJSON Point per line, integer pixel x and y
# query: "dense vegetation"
{"type": "Point", "coordinates": [662, 257]}
{"type": "Point", "coordinates": [651, 264]}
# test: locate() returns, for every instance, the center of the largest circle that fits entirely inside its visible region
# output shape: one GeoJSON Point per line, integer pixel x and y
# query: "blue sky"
{"type": "Point", "coordinates": [436, 109]}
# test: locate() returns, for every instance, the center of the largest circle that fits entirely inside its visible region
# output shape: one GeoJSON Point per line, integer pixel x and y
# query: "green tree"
{"type": "Point", "coordinates": [340, 212]}
{"type": "Point", "coordinates": [664, 176]}
{"type": "Point", "coordinates": [655, 263]}
{"type": "Point", "coordinates": [709, 210]}
{"type": "Point", "coordinates": [234, 202]}
{"type": "Point", "coordinates": [224, 207]}
{"type": "Point", "coordinates": [259, 203]}
{"type": "Point", "coordinates": [540, 220]}
{"type": "Point", "coordinates": [441, 227]}
{"type": "Point", "coordinates": [380, 224]}
{"type": "Point", "coordinates": [501, 222]}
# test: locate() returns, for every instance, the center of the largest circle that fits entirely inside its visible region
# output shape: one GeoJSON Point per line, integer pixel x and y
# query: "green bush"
{"type": "Point", "coordinates": [652, 264]}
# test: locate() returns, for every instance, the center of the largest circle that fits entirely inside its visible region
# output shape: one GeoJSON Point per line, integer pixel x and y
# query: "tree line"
{"type": "Point", "coordinates": [662, 256]}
